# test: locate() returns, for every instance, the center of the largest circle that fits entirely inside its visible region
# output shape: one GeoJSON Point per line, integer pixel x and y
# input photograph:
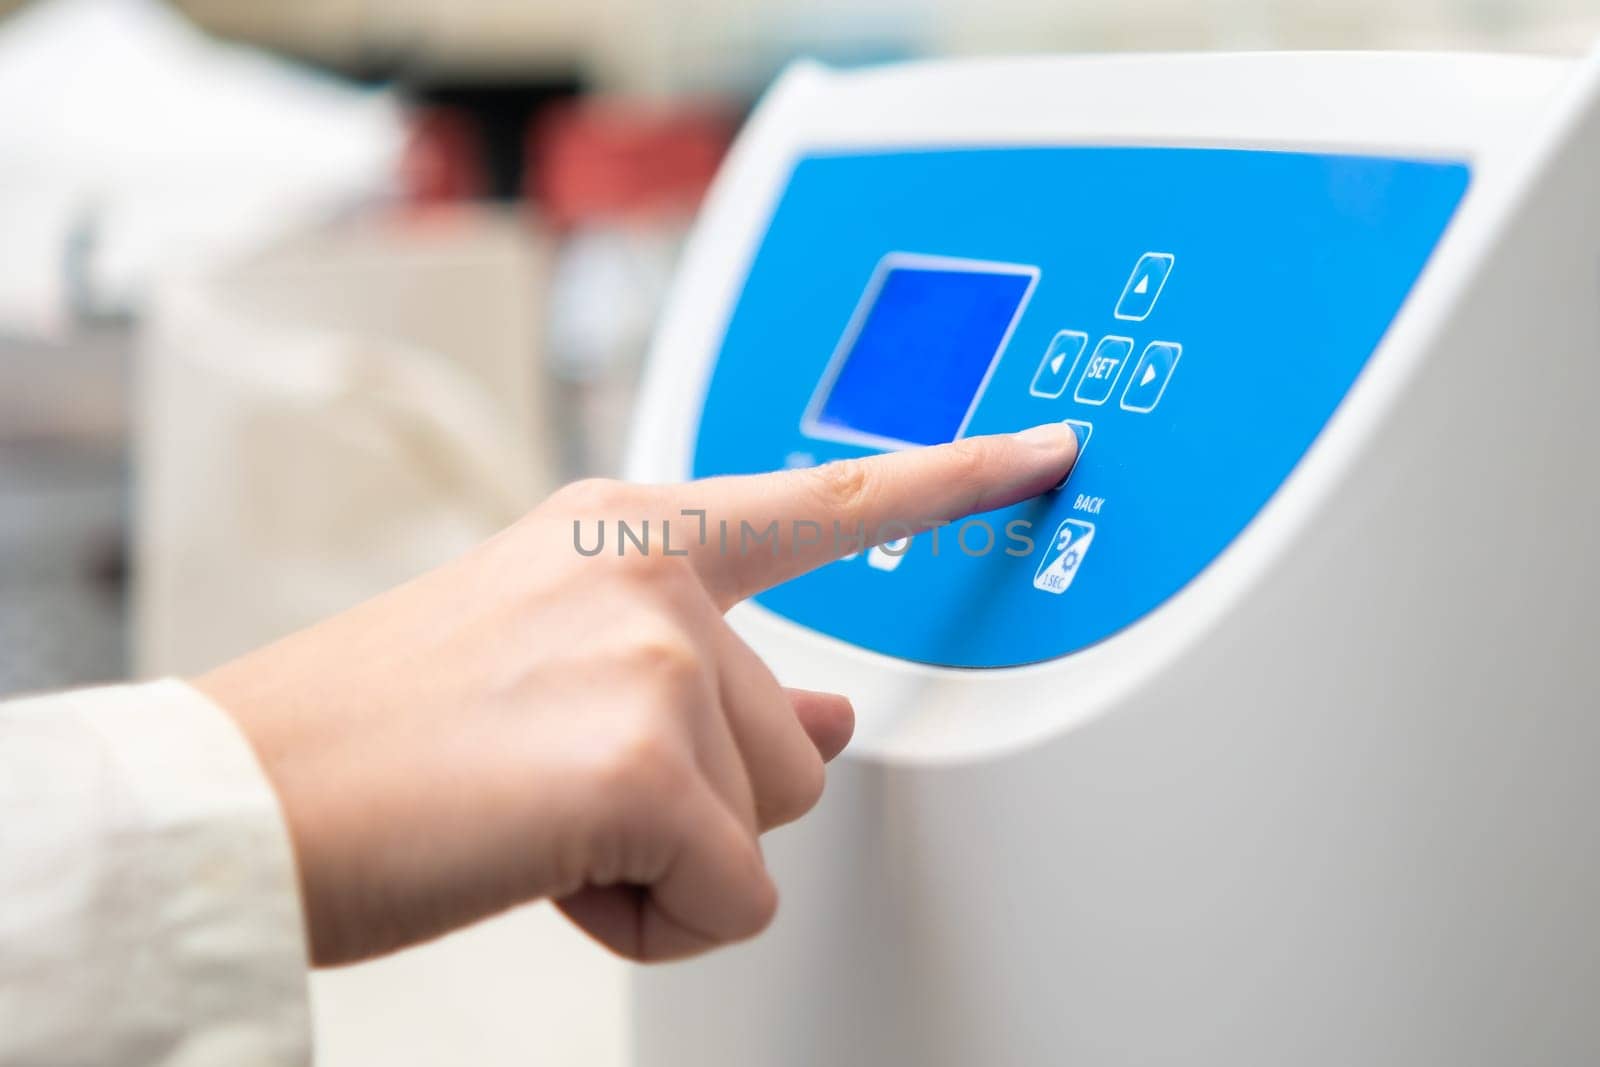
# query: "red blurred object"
{"type": "Point", "coordinates": [443, 160]}
{"type": "Point", "coordinates": [616, 161]}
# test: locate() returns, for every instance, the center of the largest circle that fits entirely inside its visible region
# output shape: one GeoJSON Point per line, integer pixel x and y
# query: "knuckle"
{"type": "Point", "coordinates": [589, 495]}
{"type": "Point", "coordinates": [802, 790]}
{"type": "Point", "coordinates": [648, 756]}
{"type": "Point", "coordinates": [666, 576]}
{"type": "Point", "coordinates": [844, 485]}
{"type": "Point", "coordinates": [814, 781]}
{"type": "Point", "coordinates": [667, 659]}
{"type": "Point", "coordinates": [761, 905]}
{"type": "Point", "coordinates": [969, 458]}
{"type": "Point", "coordinates": [660, 662]}
{"type": "Point", "coordinates": [646, 767]}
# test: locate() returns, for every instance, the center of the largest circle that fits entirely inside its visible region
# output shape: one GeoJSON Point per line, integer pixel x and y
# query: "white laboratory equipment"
{"type": "Point", "coordinates": [1280, 744]}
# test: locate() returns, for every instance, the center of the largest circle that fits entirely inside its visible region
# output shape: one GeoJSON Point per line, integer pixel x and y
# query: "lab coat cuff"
{"type": "Point", "coordinates": [209, 867]}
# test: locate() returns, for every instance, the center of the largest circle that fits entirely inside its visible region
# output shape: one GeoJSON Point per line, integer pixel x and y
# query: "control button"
{"type": "Point", "coordinates": [1149, 277]}
{"type": "Point", "coordinates": [888, 556]}
{"type": "Point", "coordinates": [1063, 556]}
{"type": "Point", "coordinates": [1060, 360]}
{"type": "Point", "coordinates": [1083, 431]}
{"type": "Point", "coordinates": [1100, 373]}
{"type": "Point", "coordinates": [1150, 376]}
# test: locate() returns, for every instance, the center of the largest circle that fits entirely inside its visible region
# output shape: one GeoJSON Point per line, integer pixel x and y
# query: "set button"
{"type": "Point", "coordinates": [1104, 367]}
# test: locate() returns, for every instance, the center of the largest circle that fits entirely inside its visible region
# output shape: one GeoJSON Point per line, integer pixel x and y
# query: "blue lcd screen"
{"type": "Point", "coordinates": [917, 350]}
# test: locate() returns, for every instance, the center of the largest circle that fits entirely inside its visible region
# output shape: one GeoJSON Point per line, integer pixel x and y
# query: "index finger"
{"type": "Point", "coordinates": [764, 529]}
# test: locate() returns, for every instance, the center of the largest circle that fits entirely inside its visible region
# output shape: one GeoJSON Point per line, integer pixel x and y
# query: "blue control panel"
{"type": "Point", "coordinates": [1197, 314]}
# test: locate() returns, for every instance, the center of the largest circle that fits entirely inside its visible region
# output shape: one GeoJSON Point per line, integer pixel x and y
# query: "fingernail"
{"type": "Point", "coordinates": [1052, 437]}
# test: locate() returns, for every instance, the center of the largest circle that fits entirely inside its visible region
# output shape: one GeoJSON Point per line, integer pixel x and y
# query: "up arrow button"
{"type": "Point", "coordinates": [1149, 277]}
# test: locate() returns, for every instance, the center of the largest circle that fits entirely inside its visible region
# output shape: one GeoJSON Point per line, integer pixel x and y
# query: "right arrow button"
{"type": "Point", "coordinates": [1150, 376]}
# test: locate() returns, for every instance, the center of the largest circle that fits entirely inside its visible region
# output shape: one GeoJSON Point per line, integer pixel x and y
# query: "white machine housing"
{"type": "Point", "coordinates": [1334, 802]}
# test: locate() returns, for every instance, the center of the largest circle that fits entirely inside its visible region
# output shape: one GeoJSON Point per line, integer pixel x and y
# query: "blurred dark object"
{"type": "Point", "coordinates": [444, 158]}
{"type": "Point", "coordinates": [469, 139]}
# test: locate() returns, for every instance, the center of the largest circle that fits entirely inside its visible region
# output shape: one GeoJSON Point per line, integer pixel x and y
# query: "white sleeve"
{"type": "Point", "coordinates": [149, 910]}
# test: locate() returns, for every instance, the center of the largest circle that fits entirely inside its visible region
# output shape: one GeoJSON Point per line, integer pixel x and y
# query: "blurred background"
{"type": "Point", "coordinates": [254, 244]}
{"type": "Point", "coordinates": [300, 298]}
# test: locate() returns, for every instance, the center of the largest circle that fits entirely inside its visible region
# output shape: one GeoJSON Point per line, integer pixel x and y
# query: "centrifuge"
{"type": "Point", "coordinates": [1279, 744]}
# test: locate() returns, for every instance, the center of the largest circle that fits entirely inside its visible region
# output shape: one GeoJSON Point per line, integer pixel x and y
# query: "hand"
{"type": "Point", "coordinates": [529, 722]}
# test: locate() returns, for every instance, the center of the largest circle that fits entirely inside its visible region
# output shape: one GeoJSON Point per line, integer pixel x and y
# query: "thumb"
{"type": "Point", "coordinates": [828, 718]}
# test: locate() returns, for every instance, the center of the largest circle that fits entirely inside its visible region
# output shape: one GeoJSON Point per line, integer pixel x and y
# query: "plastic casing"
{"type": "Point", "coordinates": [1335, 801]}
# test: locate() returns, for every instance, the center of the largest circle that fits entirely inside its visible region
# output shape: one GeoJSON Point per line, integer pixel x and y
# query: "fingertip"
{"type": "Point", "coordinates": [1057, 444]}
{"type": "Point", "coordinates": [1053, 440]}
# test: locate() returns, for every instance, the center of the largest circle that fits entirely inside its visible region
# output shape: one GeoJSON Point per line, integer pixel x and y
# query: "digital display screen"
{"type": "Point", "coordinates": [918, 350]}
